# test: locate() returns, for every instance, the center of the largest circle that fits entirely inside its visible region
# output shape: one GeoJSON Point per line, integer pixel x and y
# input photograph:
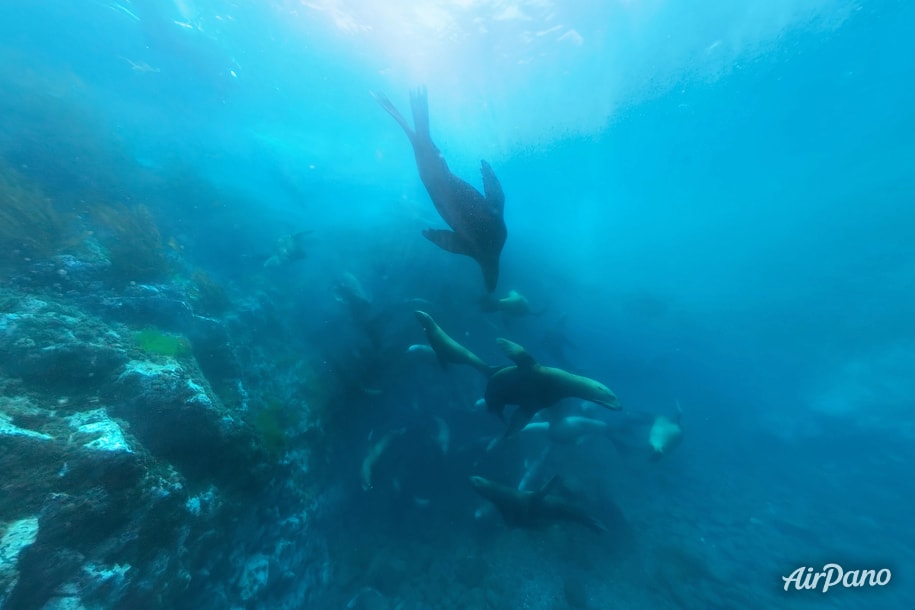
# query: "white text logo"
{"type": "Point", "coordinates": [833, 575]}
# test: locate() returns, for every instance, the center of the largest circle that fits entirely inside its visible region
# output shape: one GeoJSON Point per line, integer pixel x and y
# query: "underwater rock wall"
{"type": "Point", "coordinates": [126, 480]}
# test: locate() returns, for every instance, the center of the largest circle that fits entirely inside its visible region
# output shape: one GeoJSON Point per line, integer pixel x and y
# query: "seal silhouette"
{"type": "Point", "coordinates": [534, 509]}
{"type": "Point", "coordinates": [476, 221]}
{"type": "Point", "coordinates": [446, 349]}
{"type": "Point", "coordinates": [533, 387]}
{"type": "Point", "coordinates": [666, 433]}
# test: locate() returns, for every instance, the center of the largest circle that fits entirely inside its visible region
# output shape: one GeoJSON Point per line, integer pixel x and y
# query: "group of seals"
{"type": "Point", "coordinates": [478, 230]}
{"type": "Point", "coordinates": [526, 383]}
{"type": "Point", "coordinates": [476, 221]}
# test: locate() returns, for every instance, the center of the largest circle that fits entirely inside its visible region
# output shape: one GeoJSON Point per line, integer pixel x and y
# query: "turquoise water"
{"type": "Point", "coordinates": [213, 233]}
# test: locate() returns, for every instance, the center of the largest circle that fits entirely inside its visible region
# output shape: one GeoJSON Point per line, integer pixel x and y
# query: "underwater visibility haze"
{"type": "Point", "coordinates": [457, 304]}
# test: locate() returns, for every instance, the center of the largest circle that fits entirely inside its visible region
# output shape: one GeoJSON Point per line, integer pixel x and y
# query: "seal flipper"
{"type": "Point", "coordinates": [391, 109]}
{"type": "Point", "coordinates": [516, 353]}
{"type": "Point", "coordinates": [493, 189]}
{"type": "Point", "coordinates": [419, 102]}
{"type": "Point", "coordinates": [448, 241]}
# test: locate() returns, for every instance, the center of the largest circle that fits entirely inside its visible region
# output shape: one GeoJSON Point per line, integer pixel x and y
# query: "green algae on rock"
{"type": "Point", "coordinates": [161, 343]}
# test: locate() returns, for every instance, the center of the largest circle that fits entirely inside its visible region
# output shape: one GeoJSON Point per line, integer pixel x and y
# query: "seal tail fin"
{"type": "Point", "coordinates": [491, 186]}
{"type": "Point", "coordinates": [449, 241]}
{"type": "Point", "coordinates": [391, 109]}
{"type": "Point", "coordinates": [419, 102]}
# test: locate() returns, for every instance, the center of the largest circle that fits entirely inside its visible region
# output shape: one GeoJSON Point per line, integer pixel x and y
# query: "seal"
{"type": "Point", "coordinates": [376, 450]}
{"type": "Point", "coordinates": [442, 436]}
{"type": "Point", "coordinates": [447, 350]}
{"type": "Point", "coordinates": [477, 223]}
{"type": "Point", "coordinates": [515, 305]}
{"type": "Point", "coordinates": [533, 387]}
{"type": "Point", "coordinates": [534, 509]}
{"type": "Point", "coordinates": [569, 429]}
{"type": "Point", "coordinates": [665, 434]}
{"type": "Point", "coordinates": [288, 249]}
{"type": "Point", "coordinates": [423, 352]}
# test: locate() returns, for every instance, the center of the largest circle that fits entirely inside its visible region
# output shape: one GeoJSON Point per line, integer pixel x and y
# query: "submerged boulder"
{"type": "Point", "coordinates": [90, 495]}
{"type": "Point", "coordinates": [175, 415]}
{"type": "Point", "coordinates": [53, 347]}
{"type": "Point", "coordinates": [14, 536]}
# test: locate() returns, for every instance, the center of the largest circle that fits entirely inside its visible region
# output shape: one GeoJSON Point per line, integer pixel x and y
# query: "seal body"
{"type": "Point", "coordinates": [447, 350]}
{"type": "Point", "coordinates": [665, 434]}
{"type": "Point", "coordinates": [515, 305]}
{"type": "Point", "coordinates": [288, 249]}
{"type": "Point", "coordinates": [568, 430]}
{"type": "Point", "coordinates": [532, 387]}
{"type": "Point", "coordinates": [574, 428]}
{"type": "Point", "coordinates": [533, 509]}
{"type": "Point", "coordinates": [376, 450]}
{"type": "Point", "coordinates": [476, 221]}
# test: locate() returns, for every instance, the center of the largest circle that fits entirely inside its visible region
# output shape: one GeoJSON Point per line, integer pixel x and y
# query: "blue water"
{"type": "Point", "coordinates": [718, 200]}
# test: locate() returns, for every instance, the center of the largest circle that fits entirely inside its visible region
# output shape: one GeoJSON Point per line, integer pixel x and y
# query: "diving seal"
{"type": "Point", "coordinates": [533, 387]}
{"type": "Point", "coordinates": [478, 227]}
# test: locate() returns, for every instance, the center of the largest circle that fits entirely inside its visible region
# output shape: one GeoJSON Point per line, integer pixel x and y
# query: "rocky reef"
{"type": "Point", "coordinates": [127, 480]}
